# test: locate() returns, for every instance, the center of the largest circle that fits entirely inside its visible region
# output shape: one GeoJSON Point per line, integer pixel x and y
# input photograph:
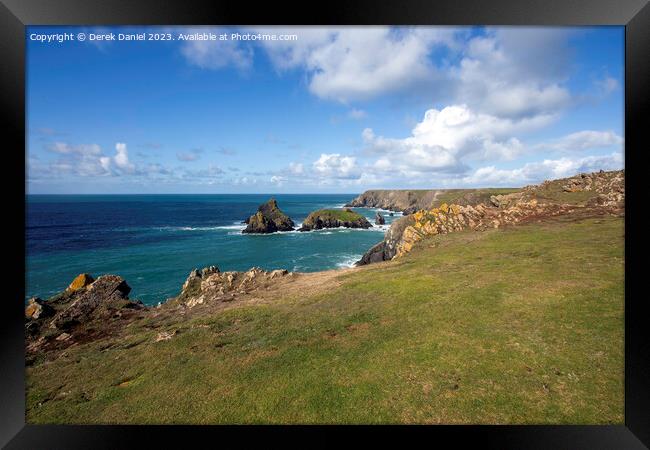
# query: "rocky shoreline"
{"type": "Point", "coordinates": [605, 194]}
{"type": "Point", "coordinates": [90, 309]}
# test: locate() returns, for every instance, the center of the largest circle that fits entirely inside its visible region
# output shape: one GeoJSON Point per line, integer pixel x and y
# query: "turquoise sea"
{"type": "Point", "coordinates": [154, 241]}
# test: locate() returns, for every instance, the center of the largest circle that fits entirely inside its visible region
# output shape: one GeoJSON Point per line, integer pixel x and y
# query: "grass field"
{"type": "Point", "coordinates": [517, 325]}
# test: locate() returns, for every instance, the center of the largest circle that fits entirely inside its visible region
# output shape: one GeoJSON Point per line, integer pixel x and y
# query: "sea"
{"type": "Point", "coordinates": [154, 241]}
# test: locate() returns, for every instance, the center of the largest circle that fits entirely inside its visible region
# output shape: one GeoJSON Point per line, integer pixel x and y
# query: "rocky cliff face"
{"type": "Point", "coordinates": [268, 219]}
{"type": "Point", "coordinates": [395, 200]}
{"type": "Point", "coordinates": [332, 218]}
{"type": "Point", "coordinates": [410, 201]}
{"type": "Point", "coordinates": [86, 310]}
{"type": "Point", "coordinates": [605, 194]}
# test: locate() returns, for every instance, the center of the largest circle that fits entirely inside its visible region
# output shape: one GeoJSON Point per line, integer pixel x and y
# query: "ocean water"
{"type": "Point", "coordinates": [154, 241]}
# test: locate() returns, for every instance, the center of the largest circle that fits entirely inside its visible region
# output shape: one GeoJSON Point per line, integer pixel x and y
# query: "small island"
{"type": "Point", "coordinates": [334, 218]}
{"type": "Point", "coordinates": [268, 219]}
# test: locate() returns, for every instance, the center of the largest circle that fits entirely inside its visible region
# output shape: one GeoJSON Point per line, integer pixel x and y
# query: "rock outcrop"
{"type": "Point", "coordinates": [98, 300]}
{"type": "Point", "coordinates": [268, 219]}
{"type": "Point", "coordinates": [379, 219]}
{"type": "Point", "coordinates": [531, 203]}
{"type": "Point", "coordinates": [334, 218]}
{"type": "Point", "coordinates": [210, 285]}
{"type": "Point", "coordinates": [85, 310]}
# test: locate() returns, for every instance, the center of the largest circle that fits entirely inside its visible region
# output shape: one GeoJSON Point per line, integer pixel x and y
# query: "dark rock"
{"type": "Point", "coordinates": [268, 219]}
{"type": "Point", "coordinates": [379, 219]}
{"type": "Point", "coordinates": [387, 249]}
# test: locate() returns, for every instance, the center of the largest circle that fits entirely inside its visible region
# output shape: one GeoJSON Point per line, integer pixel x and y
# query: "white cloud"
{"type": "Point", "coordinates": [121, 158]}
{"type": "Point", "coordinates": [296, 168]}
{"type": "Point", "coordinates": [358, 63]}
{"type": "Point", "coordinates": [539, 171]}
{"type": "Point", "coordinates": [86, 160]}
{"type": "Point", "coordinates": [445, 139]}
{"type": "Point", "coordinates": [67, 149]}
{"type": "Point", "coordinates": [334, 165]}
{"type": "Point", "coordinates": [515, 72]}
{"type": "Point", "coordinates": [278, 180]}
{"type": "Point", "coordinates": [584, 140]}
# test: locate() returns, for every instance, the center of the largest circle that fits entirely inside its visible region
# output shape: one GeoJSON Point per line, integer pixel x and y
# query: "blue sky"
{"type": "Point", "coordinates": [333, 110]}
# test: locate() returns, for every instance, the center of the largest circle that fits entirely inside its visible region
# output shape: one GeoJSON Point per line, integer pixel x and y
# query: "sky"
{"type": "Point", "coordinates": [319, 110]}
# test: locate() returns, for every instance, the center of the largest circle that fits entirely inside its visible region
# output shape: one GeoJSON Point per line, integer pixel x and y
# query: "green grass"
{"type": "Point", "coordinates": [471, 196]}
{"type": "Point", "coordinates": [519, 325]}
{"type": "Point", "coordinates": [338, 214]}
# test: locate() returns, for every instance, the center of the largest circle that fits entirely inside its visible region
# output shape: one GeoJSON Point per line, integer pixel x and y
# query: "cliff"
{"type": "Point", "coordinates": [409, 201]}
{"type": "Point", "coordinates": [597, 193]}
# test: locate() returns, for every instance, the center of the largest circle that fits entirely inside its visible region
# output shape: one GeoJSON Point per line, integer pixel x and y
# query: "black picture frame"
{"type": "Point", "coordinates": [16, 14]}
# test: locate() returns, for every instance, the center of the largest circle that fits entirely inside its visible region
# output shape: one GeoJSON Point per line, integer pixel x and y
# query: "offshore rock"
{"type": "Point", "coordinates": [268, 219]}
{"type": "Point", "coordinates": [334, 218]}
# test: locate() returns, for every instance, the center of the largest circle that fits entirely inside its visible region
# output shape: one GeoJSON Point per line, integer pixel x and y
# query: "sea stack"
{"type": "Point", "coordinates": [379, 219]}
{"type": "Point", "coordinates": [268, 219]}
{"type": "Point", "coordinates": [334, 218]}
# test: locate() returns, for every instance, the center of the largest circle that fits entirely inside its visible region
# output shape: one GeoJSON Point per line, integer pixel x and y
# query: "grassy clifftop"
{"type": "Point", "coordinates": [516, 325]}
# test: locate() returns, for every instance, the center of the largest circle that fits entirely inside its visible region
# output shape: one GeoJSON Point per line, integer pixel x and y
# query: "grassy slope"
{"type": "Point", "coordinates": [520, 325]}
{"type": "Point", "coordinates": [475, 195]}
{"type": "Point", "coordinates": [338, 214]}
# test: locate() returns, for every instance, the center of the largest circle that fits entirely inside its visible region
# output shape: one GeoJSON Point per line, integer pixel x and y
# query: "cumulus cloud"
{"type": "Point", "coordinates": [88, 160]}
{"type": "Point", "coordinates": [446, 138]}
{"type": "Point", "coordinates": [358, 63]}
{"type": "Point", "coordinates": [121, 159]}
{"type": "Point", "coordinates": [334, 165]}
{"type": "Point", "coordinates": [515, 72]}
{"type": "Point", "coordinates": [536, 172]}
{"type": "Point", "coordinates": [278, 180]}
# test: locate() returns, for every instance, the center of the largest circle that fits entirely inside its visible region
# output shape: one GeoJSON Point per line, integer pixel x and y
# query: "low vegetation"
{"type": "Point", "coordinates": [517, 325]}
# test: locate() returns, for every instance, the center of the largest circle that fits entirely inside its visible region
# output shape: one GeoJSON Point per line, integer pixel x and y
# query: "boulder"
{"type": "Point", "coordinates": [334, 218]}
{"type": "Point", "coordinates": [81, 281]}
{"type": "Point", "coordinates": [37, 309]}
{"type": "Point", "coordinates": [268, 219]}
{"type": "Point", "coordinates": [379, 219]}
